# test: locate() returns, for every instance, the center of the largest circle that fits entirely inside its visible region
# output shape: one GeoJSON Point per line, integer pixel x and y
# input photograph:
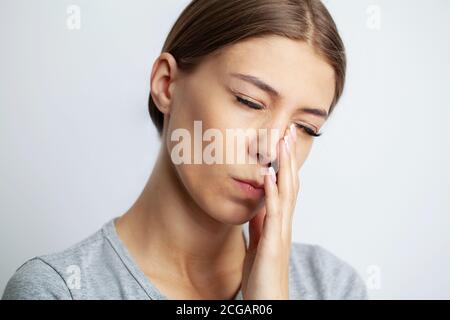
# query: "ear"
{"type": "Point", "coordinates": [162, 81]}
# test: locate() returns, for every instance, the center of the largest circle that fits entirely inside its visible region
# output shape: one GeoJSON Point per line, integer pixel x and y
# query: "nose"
{"type": "Point", "coordinates": [267, 141]}
{"type": "Point", "coordinates": [268, 161]}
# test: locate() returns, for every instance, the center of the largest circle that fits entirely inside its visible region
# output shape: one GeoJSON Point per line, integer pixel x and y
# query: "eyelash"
{"type": "Point", "coordinates": [255, 106]}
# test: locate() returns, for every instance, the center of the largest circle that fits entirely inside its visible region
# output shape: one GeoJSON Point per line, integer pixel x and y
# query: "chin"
{"type": "Point", "coordinates": [234, 213]}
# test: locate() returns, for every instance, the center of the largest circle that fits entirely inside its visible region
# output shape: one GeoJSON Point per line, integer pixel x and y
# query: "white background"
{"type": "Point", "coordinates": [77, 144]}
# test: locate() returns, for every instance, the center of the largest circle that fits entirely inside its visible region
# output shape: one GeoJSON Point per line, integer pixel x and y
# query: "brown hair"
{"type": "Point", "coordinates": [205, 26]}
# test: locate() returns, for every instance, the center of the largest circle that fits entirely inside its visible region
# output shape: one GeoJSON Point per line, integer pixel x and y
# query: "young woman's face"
{"type": "Point", "coordinates": [220, 93]}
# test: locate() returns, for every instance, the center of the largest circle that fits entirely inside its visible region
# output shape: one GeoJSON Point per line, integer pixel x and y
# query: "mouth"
{"type": "Point", "coordinates": [250, 188]}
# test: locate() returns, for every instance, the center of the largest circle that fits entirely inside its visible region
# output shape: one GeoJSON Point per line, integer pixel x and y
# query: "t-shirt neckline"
{"type": "Point", "coordinates": [121, 250]}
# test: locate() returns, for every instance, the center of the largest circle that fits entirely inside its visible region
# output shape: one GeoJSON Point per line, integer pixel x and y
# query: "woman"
{"type": "Point", "coordinates": [275, 65]}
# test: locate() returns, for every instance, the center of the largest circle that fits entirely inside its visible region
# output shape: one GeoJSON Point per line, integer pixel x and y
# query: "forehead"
{"type": "Point", "coordinates": [292, 67]}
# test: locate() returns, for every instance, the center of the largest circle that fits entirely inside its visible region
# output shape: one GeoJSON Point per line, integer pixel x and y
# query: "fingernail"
{"type": "Point", "coordinates": [272, 174]}
{"type": "Point", "coordinates": [286, 142]}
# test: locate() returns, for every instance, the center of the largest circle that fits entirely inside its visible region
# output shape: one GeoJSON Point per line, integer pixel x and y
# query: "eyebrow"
{"type": "Point", "coordinates": [275, 94]}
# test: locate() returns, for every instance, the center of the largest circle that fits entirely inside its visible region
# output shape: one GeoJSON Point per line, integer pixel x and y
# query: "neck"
{"type": "Point", "coordinates": [166, 229]}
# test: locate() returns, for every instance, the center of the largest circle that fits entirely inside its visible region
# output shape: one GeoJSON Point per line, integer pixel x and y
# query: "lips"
{"type": "Point", "coordinates": [255, 184]}
{"type": "Point", "coordinates": [249, 188]}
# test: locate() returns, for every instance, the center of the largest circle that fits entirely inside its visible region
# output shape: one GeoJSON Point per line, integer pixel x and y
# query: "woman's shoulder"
{"type": "Point", "coordinates": [35, 279]}
{"type": "Point", "coordinates": [52, 276]}
{"type": "Point", "coordinates": [317, 273]}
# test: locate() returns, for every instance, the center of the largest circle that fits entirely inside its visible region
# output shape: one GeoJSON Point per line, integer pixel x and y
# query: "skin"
{"type": "Point", "coordinates": [184, 230]}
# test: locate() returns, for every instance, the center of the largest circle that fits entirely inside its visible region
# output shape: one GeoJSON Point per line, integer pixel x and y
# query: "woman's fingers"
{"type": "Point", "coordinates": [293, 132]}
{"type": "Point", "coordinates": [256, 228]}
{"type": "Point", "coordinates": [280, 192]}
{"type": "Point", "coordinates": [270, 231]}
{"type": "Point", "coordinates": [285, 172]}
{"type": "Point", "coordinates": [272, 217]}
{"type": "Point", "coordinates": [287, 185]}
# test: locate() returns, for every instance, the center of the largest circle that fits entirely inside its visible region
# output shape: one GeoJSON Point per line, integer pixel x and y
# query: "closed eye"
{"type": "Point", "coordinates": [256, 106]}
{"type": "Point", "coordinates": [308, 130]}
{"type": "Point", "coordinates": [249, 103]}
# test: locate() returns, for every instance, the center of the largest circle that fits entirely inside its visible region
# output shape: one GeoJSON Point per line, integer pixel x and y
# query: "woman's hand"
{"type": "Point", "coordinates": [266, 264]}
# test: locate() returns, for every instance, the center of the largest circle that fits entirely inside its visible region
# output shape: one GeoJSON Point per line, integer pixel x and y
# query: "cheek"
{"type": "Point", "coordinates": [302, 151]}
{"type": "Point", "coordinates": [212, 113]}
{"type": "Point", "coordinates": [208, 187]}
{"type": "Point", "coordinates": [191, 177]}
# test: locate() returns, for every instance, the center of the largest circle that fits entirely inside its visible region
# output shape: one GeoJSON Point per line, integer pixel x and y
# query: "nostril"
{"type": "Point", "coordinates": [263, 160]}
{"type": "Point", "coordinates": [260, 158]}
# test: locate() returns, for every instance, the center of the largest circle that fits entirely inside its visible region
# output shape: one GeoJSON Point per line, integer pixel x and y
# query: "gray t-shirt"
{"type": "Point", "coordinates": [101, 267]}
